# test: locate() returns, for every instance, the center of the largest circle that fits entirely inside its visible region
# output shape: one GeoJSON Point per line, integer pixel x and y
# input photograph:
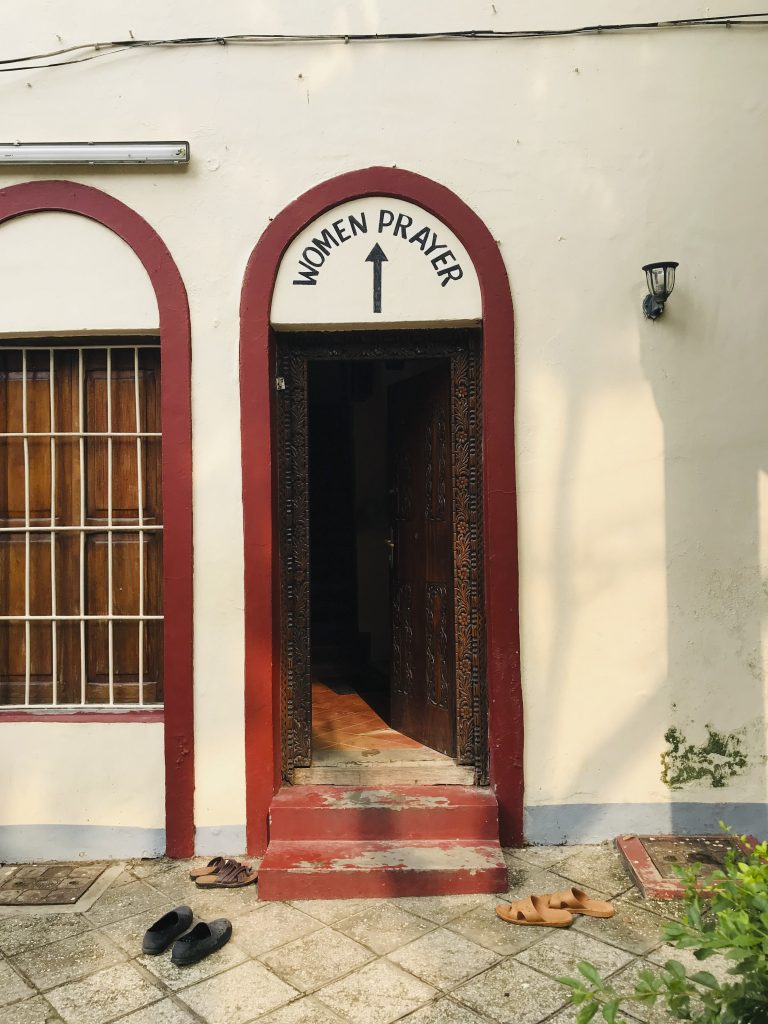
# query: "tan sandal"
{"type": "Point", "coordinates": [534, 910]}
{"type": "Point", "coordinates": [233, 875]}
{"type": "Point", "coordinates": [208, 869]}
{"type": "Point", "coordinates": [577, 902]}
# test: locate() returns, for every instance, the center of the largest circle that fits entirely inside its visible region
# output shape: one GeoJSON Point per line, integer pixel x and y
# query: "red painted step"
{"type": "Point", "coordinates": [336, 842]}
{"type": "Point", "coordinates": [343, 870]}
{"type": "Point", "coordinates": [396, 812]}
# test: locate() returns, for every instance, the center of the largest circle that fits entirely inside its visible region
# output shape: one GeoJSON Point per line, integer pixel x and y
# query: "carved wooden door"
{"type": "Point", "coordinates": [421, 489]}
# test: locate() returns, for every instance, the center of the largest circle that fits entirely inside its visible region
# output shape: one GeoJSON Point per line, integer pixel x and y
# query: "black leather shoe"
{"type": "Point", "coordinates": [204, 939]}
{"type": "Point", "coordinates": [163, 932]}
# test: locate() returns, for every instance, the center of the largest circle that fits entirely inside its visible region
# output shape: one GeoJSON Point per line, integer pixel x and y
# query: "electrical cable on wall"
{"type": "Point", "coordinates": [104, 49]}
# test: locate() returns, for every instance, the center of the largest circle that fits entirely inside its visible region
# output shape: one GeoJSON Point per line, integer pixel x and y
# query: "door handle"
{"type": "Point", "coordinates": [391, 546]}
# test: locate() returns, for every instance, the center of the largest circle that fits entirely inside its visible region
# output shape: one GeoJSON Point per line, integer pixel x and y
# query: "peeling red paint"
{"type": "Point", "coordinates": [340, 870]}
{"type": "Point", "coordinates": [407, 840]}
{"type": "Point", "coordinates": [403, 812]}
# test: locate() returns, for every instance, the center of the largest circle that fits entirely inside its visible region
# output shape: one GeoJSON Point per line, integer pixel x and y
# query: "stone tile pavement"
{"type": "Point", "coordinates": [431, 960]}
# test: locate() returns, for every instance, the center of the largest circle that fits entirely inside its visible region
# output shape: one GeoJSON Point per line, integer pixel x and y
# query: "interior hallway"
{"type": "Point", "coordinates": [353, 745]}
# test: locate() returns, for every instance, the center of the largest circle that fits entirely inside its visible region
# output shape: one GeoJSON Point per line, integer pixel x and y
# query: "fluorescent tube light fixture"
{"type": "Point", "coordinates": [94, 153]}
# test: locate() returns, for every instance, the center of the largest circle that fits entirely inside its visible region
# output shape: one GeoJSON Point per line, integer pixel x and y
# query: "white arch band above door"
{"type": "Point", "coordinates": [375, 262]}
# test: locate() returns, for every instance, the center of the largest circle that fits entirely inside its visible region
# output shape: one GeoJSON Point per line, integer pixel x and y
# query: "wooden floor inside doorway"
{"type": "Point", "coordinates": [353, 746]}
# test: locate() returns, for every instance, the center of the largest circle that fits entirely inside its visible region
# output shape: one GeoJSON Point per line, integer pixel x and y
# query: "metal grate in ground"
{"type": "Point", "coordinates": [652, 860]}
{"type": "Point", "coordinates": [36, 885]}
{"type": "Point", "coordinates": [669, 852]}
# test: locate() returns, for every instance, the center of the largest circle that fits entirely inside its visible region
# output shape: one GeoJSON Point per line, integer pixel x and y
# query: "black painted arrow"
{"type": "Point", "coordinates": [376, 257]}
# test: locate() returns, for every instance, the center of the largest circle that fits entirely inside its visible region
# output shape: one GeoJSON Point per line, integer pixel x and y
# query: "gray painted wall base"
{"type": "Point", "coordinates": [21, 844]}
{"type": "Point", "coordinates": [544, 826]}
{"type": "Point", "coordinates": [593, 823]}
{"type": "Point", "coordinates": [30, 843]}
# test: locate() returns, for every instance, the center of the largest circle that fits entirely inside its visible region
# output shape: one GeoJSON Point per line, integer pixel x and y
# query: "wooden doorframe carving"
{"type": "Point", "coordinates": [463, 348]}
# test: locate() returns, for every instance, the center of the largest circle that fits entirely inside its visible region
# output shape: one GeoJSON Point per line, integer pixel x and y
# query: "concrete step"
{"type": "Point", "coordinates": [393, 812]}
{"type": "Point", "coordinates": [379, 771]}
{"type": "Point", "coordinates": [316, 869]}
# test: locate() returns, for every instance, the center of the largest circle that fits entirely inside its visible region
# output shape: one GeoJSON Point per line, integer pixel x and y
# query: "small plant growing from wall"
{"type": "Point", "coordinates": [727, 915]}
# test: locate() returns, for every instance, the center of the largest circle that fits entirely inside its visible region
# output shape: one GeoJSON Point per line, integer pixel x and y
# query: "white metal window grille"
{"type": "Point", "coordinates": [80, 526]}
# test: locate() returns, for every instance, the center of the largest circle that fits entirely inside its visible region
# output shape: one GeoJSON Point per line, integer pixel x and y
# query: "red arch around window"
{"type": "Point", "coordinates": [71, 197]}
{"type": "Point", "coordinates": [262, 641]}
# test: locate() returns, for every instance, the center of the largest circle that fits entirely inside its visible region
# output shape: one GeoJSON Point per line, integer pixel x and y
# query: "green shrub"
{"type": "Point", "coordinates": [727, 915]}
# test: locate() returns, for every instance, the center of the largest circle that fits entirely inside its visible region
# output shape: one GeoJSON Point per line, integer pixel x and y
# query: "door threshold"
{"type": "Point", "coordinates": [386, 773]}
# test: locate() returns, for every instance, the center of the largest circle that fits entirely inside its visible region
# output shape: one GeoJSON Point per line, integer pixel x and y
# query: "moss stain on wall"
{"type": "Point", "coordinates": [717, 761]}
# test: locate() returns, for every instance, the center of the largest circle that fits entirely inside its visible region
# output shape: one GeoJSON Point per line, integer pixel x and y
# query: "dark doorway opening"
{"type": "Point", "coordinates": [350, 625]}
{"type": "Point", "coordinates": [381, 566]}
{"type": "Point", "coordinates": [379, 476]}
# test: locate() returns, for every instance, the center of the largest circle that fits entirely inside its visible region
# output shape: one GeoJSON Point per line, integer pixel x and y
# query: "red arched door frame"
{"type": "Point", "coordinates": [262, 642]}
{"type": "Point", "coordinates": [176, 413]}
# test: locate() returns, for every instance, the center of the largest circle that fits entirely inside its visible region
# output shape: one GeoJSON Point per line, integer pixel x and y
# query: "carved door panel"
{"type": "Point", "coordinates": [293, 492]}
{"type": "Point", "coordinates": [423, 655]}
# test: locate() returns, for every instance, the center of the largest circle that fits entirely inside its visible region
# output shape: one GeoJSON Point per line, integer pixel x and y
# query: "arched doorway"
{"type": "Point", "coordinates": [176, 469]}
{"type": "Point", "coordinates": [263, 641]}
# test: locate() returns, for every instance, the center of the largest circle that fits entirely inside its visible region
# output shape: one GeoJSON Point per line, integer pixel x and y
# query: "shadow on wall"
{"type": "Point", "coordinates": [706, 718]}
{"type": "Point", "coordinates": [710, 384]}
{"type": "Point", "coordinates": [690, 739]}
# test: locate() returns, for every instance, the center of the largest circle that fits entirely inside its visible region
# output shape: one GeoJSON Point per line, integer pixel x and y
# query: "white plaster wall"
{"type": "Point", "coordinates": [57, 773]}
{"type": "Point", "coordinates": [65, 274]}
{"type": "Point", "coordinates": [641, 446]}
{"type": "Point", "coordinates": [83, 786]}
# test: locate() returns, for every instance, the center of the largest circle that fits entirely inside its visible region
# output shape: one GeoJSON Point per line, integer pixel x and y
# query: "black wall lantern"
{"type": "Point", "coordinates": [661, 281]}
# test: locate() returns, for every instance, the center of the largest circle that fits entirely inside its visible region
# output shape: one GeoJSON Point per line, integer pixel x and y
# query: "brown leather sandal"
{"type": "Point", "coordinates": [233, 875]}
{"type": "Point", "coordinates": [207, 869]}
{"type": "Point", "coordinates": [577, 902]}
{"type": "Point", "coordinates": [534, 910]}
